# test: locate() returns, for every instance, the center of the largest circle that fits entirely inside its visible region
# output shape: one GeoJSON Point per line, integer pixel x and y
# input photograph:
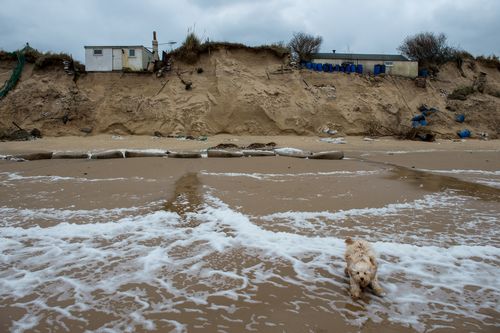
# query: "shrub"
{"type": "Point", "coordinates": [190, 49]}
{"type": "Point", "coordinates": [278, 48]}
{"type": "Point", "coordinates": [302, 45]}
{"type": "Point", "coordinates": [7, 56]}
{"type": "Point", "coordinates": [461, 93]}
{"type": "Point", "coordinates": [459, 56]}
{"type": "Point", "coordinates": [51, 59]}
{"type": "Point", "coordinates": [42, 60]}
{"type": "Point", "coordinates": [428, 48]}
{"type": "Point", "coordinates": [491, 61]}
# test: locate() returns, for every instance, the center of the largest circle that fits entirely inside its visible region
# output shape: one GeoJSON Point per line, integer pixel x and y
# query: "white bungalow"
{"type": "Point", "coordinates": [117, 58]}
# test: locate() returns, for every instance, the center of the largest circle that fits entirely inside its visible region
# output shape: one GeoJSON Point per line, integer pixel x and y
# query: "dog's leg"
{"type": "Point", "coordinates": [377, 289]}
{"type": "Point", "coordinates": [355, 289]}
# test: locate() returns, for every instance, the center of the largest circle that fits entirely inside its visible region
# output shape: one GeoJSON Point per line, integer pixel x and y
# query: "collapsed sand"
{"type": "Point", "coordinates": [241, 92]}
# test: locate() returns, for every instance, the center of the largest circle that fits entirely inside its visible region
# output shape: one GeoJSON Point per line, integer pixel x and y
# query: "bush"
{"type": "Point", "coordinates": [278, 48]}
{"type": "Point", "coordinates": [461, 93]}
{"type": "Point", "coordinates": [459, 56]}
{"type": "Point", "coordinates": [428, 48]}
{"type": "Point", "coordinates": [491, 61]}
{"type": "Point", "coordinates": [51, 59]}
{"type": "Point", "coordinates": [190, 49]}
{"type": "Point", "coordinates": [302, 45]}
{"type": "Point", "coordinates": [7, 56]}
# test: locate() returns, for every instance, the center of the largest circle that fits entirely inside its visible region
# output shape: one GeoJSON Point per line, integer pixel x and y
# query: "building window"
{"type": "Point", "coordinates": [98, 52]}
{"type": "Point", "coordinates": [131, 53]}
{"type": "Point", "coordinates": [388, 63]}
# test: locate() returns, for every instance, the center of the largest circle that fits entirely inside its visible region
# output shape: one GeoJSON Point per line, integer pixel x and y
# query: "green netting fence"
{"type": "Point", "coordinates": [16, 74]}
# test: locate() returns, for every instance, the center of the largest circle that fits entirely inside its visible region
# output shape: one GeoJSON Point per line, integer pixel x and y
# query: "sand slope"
{"type": "Point", "coordinates": [238, 93]}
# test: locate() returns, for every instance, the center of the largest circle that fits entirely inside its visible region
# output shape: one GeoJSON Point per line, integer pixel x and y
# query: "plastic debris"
{"type": "Point", "coordinates": [334, 140]}
{"type": "Point", "coordinates": [460, 118]}
{"type": "Point", "coordinates": [465, 133]}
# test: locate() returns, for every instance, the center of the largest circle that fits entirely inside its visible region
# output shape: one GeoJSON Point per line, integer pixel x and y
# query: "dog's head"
{"type": "Point", "coordinates": [362, 273]}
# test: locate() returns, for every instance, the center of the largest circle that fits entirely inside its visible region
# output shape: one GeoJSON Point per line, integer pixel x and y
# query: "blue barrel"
{"type": "Point", "coordinates": [359, 69]}
{"type": "Point", "coordinates": [353, 68]}
{"type": "Point", "coordinates": [330, 67]}
{"type": "Point", "coordinates": [376, 69]}
{"type": "Point", "coordinates": [326, 67]}
{"type": "Point", "coordinates": [319, 67]}
{"type": "Point", "coordinates": [341, 68]}
{"type": "Point", "coordinates": [347, 68]}
{"type": "Point", "coordinates": [382, 69]}
{"type": "Point", "coordinates": [423, 72]}
{"type": "Point", "coordinates": [309, 65]}
{"type": "Point", "coordinates": [336, 68]}
{"type": "Point", "coordinates": [465, 133]}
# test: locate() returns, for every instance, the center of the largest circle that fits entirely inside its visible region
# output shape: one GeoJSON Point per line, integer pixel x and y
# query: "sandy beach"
{"type": "Point", "coordinates": [252, 243]}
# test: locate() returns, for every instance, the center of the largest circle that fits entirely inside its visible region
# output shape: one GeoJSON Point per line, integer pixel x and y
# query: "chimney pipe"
{"type": "Point", "coordinates": [156, 57]}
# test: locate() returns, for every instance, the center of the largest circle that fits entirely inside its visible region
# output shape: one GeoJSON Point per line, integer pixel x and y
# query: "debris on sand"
{"type": "Point", "coordinates": [465, 133]}
{"type": "Point", "coordinates": [421, 119]}
{"type": "Point", "coordinates": [339, 141]}
{"type": "Point", "coordinates": [292, 152]}
{"type": "Point", "coordinates": [327, 155]}
{"type": "Point", "coordinates": [223, 153]}
{"type": "Point", "coordinates": [460, 118]}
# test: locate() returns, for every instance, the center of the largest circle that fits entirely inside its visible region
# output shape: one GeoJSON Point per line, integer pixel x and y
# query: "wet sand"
{"type": "Point", "coordinates": [250, 244]}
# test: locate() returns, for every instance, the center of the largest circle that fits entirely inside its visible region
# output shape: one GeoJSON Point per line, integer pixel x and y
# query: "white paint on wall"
{"type": "Point", "coordinates": [116, 58]}
{"type": "Point", "coordinates": [98, 63]}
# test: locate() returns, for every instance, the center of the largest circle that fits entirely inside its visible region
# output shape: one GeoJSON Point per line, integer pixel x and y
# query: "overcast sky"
{"type": "Point", "coordinates": [363, 26]}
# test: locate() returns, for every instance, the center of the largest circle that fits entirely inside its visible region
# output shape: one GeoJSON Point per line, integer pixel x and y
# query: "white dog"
{"type": "Point", "coordinates": [361, 267]}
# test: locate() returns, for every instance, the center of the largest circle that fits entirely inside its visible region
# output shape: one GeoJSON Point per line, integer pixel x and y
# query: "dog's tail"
{"type": "Point", "coordinates": [349, 241]}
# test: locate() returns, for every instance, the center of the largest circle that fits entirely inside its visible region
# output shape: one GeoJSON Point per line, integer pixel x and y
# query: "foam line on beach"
{"type": "Point", "coordinates": [268, 176]}
{"type": "Point", "coordinates": [17, 176]}
{"type": "Point", "coordinates": [463, 171]}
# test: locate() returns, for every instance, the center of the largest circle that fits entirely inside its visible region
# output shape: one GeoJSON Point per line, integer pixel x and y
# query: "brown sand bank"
{"type": "Point", "coordinates": [240, 93]}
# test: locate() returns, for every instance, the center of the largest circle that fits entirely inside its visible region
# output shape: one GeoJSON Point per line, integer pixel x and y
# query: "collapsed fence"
{"type": "Point", "coordinates": [16, 74]}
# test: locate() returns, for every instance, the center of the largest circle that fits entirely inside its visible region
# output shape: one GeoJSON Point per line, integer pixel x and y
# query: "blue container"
{"type": "Point", "coordinates": [319, 67]}
{"type": "Point", "coordinates": [465, 133]}
{"type": "Point", "coordinates": [326, 68]}
{"type": "Point", "coordinates": [353, 68]}
{"type": "Point", "coordinates": [460, 118]}
{"type": "Point", "coordinates": [342, 69]}
{"type": "Point", "coordinates": [418, 117]}
{"type": "Point", "coordinates": [336, 68]}
{"type": "Point", "coordinates": [382, 69]}
{"type": "Point", "coordinates": [347, 68]}
{"type": "Point", "coordinates": [423, 72]}
{"type": "Point", "coordinates": [359, 69]}
{"type": "Point", "coordinates": [376, 69]}
{"type": "Point", "coordinates": [330, 67]}
{"type": "Point", "coordinates": [309, 65]}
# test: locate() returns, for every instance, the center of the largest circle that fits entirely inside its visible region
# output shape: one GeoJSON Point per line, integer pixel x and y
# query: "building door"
{"type": "Point", "coordinates": [117, 59]}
